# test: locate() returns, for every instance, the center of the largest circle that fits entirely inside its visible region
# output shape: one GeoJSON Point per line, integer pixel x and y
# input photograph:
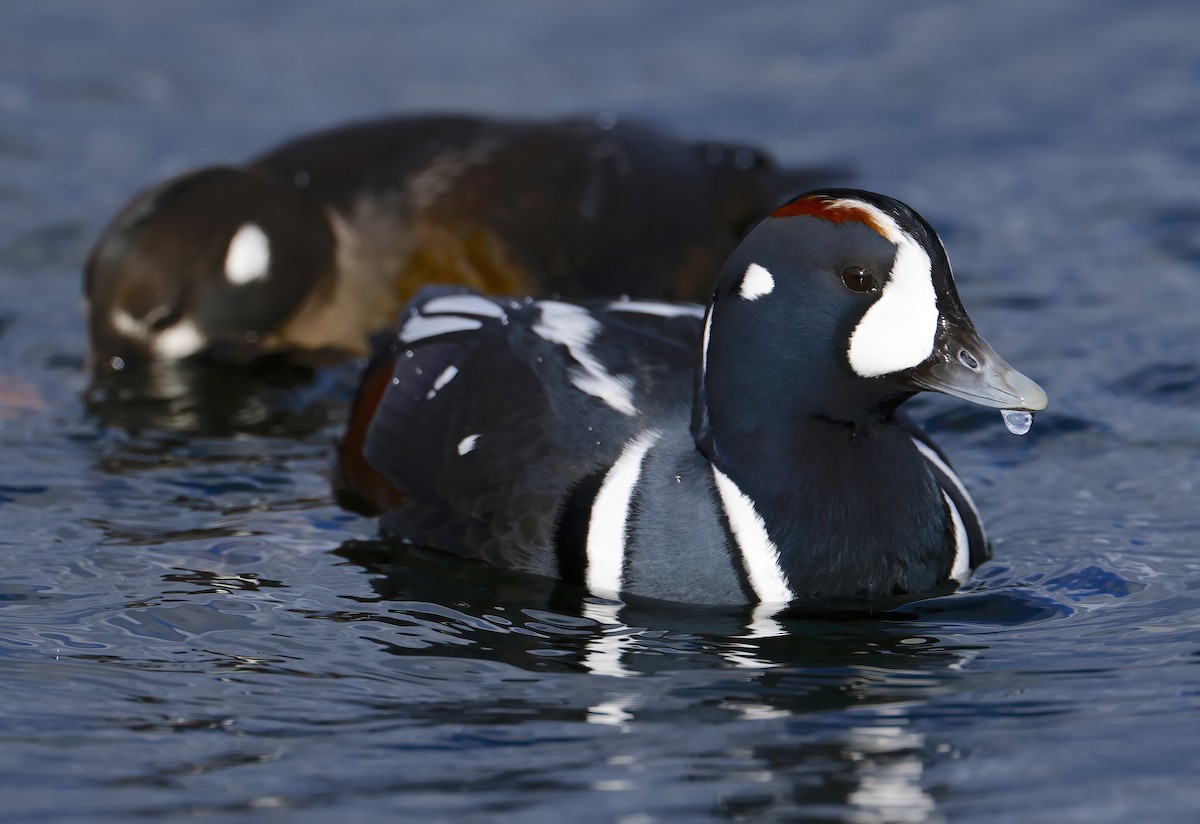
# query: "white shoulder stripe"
{"type": "Point", "coordinates": [574, 327]}
{"type": "Point", "coordinates": [704, 341]}
{"type": "Point", "coordinates": [960, 570]}
{"type": "Point", "coordinates": [657, 307]}
{"type": "Point", "coordinates": [420, 327]}
{"type": "Point", "coordinates": [463, 305]}
{"type": "Point", "coordinates": [759, 553]}
{"type": "Point", "coordinates": [610, 517]}
{"type": "Point", "coordinates": [934, 458]}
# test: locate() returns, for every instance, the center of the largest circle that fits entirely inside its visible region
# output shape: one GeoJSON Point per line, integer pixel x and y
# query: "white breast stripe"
{"type": "Point", "coordinates": [420, 327]}
{"type": "Point", "coordinates": [463, 305]}
{"type": "Point", "coordinates": [610, 517]}
{"type": "Point", "coordinates": [249, 256]}
{"type": "Point", "coordinates": [756, 282]}
{"type": "Point", "coordinates": [573, 327]}
{"type": "Point", "coordinates": [657, 307]}
{"type": "Point", "coordinates": [961, 568]}
{"type": "Point", "coordinates": [898, 331]}
{"type": "Point", "coordinates": [759, 553]}
{"type": "Point", "coordinates": [936, 459]}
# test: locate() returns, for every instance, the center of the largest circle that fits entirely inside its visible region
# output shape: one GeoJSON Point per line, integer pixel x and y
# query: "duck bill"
{"type": "Point", "coordinates": [964, 365]}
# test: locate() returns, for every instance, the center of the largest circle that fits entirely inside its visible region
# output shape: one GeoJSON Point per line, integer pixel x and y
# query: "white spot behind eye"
{"type": "Point", "coordinates": [898, 331]}
{"type": "Point", "coordinates": [756, 282]}
{"type": "Point", "coordinates": [467, 444]}
{"type": "Point", "coordinates": [178, 341]}
{"type": "Point", "coordinates": [249, 256]}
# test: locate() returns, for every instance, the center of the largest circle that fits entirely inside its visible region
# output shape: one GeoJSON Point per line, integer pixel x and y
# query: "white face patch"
{"type": "Point", "coordinates": [898, 331]}
{"type": "Point", "coordinates": [610, 517]}
{"type": "Point", "coordinates": [249, 256]}
{"type": "Point", "coordinates": [178, 341]}
{"type": "Point", "coordinates": [467, 444]}
{"type": "Point", "coordinates": [759, 553]}
{"type": "Point", "coordinates": [756, 282]}
{"type": "Point", "coordinates": [572, 327]}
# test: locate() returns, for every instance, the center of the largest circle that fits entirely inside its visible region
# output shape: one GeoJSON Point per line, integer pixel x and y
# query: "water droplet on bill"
{"type": "Point", "coordinates": [1016, 421]}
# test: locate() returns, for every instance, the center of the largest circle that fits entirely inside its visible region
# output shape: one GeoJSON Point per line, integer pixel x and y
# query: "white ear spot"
{"type": "Point", "coordinates": [756, 282]}
{"type": "Point", "coordinates": [898, 331]}
{"type": "Point", "coordinates": [249, 256]}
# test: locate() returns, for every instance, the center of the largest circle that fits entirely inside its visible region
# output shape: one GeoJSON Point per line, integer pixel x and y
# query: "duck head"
{"type": "Point", "coordinates": [839, 306]}
{"type": "Point", "coordinates": [206, 263]}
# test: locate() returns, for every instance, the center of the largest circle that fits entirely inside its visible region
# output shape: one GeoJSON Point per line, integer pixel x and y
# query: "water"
{"type": "Point", "coordinates": [1016, 421]}
{"type": "Point", "coordinates": [190, 628]}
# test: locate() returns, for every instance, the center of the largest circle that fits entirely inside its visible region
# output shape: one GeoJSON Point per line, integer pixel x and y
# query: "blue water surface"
{"type": "Point", "coordinates": [190, 628]}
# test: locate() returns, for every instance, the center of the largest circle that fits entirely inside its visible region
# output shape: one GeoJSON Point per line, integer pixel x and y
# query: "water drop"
{"type": "Point", "coordinates": [1016, 421]}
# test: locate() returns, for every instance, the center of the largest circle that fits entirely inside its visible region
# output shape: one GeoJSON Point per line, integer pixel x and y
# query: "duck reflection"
{"type": "Point", "coordinates": [830, 694]}
{"type": "Point", "coordinates": [271, 397]}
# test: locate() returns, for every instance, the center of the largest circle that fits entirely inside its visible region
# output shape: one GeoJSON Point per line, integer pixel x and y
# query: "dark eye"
{"type": "Point", "coordinates": [858, 279]}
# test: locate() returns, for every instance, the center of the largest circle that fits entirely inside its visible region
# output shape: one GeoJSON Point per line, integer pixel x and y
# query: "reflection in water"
{"type": "Point", "coordinates": [887, 760]}
{"type": "Point", "coordinates": [270, 397]}
{"type": "Point", "coordinates": [830, 699]}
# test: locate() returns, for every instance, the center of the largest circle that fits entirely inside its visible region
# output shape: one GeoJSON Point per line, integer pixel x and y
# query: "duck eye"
{"type": "Point", "coordinates": [858, 279]}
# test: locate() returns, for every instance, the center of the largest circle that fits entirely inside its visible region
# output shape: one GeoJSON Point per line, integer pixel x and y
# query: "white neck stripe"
{"type": "Point", "coordinates": [936, 459]}
{"type": "Point", "coordinates": [961, 568]}
{"type": "Point", "coordinates": [760, 556]}
{"type": "Point", "coordinates": [610, 518]}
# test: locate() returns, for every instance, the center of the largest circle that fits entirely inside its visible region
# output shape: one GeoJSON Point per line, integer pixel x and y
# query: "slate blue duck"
{"type": "Point", "coordinates": [752, 452]}
{"type": "Point", "coordinates": [314, 245]}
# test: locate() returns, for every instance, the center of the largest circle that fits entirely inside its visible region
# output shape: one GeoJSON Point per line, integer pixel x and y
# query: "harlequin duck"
{"type": "Point", "coordinates": [319, 242]}
{"type": "Point", "coordinates": [750, 453]}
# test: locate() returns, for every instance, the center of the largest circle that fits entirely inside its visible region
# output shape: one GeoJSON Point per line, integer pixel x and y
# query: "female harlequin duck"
{"type": "Point", "coordinates": [750, 453]}
{"type": "Point", "coordinates": [318, 243]}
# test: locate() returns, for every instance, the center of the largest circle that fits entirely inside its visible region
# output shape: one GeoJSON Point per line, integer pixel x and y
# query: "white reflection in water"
{"type": "Point", "coordinates": [887, 759]}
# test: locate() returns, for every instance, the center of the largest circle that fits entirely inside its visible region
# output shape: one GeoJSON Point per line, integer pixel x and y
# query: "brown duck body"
{"type": "Point", "coordinates": [316, 244]}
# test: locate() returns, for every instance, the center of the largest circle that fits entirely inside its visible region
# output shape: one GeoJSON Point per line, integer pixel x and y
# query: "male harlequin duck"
{"type": "Point", "coordinates": [319, 242]}
{"type": "Point", "coordinates": [750, 453]}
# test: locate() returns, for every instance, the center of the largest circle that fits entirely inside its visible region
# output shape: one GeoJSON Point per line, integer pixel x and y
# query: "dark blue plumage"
{"type": "Point", "coordinates": [750, 453]}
